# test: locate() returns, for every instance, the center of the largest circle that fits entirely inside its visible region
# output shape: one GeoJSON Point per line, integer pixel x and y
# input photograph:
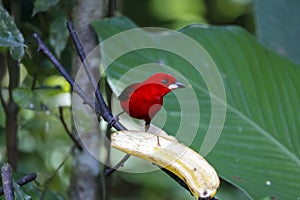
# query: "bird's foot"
{"type": "Point", "coordinates": [158, 144]}
{"type": "Point", "coordinates": [147, 127]}
{"type": "Point", "coordinates": [114, 119]}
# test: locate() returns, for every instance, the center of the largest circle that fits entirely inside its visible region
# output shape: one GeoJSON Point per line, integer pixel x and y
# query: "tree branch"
{"type": "Point", "coordinates": [49, 179]}
{"type": "Point", "coordinates": [26, 179]}
{"type": "Point", "coordinates": [73, 138]}
{"type": "Point", "coordinates": [102, 110]}
{"type": "Point", "coordinates": [76, 88]}
{"type": "Point", "coordinates": [7, 181]}
{"type": "Point", "coordinates": [109, 171]}
{"type": "Point", "coordinates": [105, 111]}
{"type": "Point", "coordinates": [23, 181]}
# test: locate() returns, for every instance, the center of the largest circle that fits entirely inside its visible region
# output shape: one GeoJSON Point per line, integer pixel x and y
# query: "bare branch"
{"type": "Point", "coordinates": [76, 88]}
{"type": "Point", "coordinates": [109, 171]}
{"type": "Point", "coordinates": [7, 181]}
{"type": "Point", "coordinates": [26, 179]}
{"type": "Point", "coordinates": [73, 138]}
{"type": "Point", "coordinates": [105, 111]}
{"type": "Point", "coordinates": [22, 181]}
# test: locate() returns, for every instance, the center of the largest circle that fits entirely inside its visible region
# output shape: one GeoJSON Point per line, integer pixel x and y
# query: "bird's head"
{"type": "Point", "coordinates": [166, 80]}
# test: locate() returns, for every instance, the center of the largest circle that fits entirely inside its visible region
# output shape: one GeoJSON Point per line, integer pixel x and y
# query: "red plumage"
{"type": "Point", "coordinates": [143, 100]}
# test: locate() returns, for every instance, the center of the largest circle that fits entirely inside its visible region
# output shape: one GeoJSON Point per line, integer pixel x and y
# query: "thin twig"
{"type": "Point", "coordinates": [108, 93]}
{"type": "Point", "coordinates": [33, 83]}
{"type": "Point", "coordinates": [73, 138]}
{"type": "Point", "coordinates": [2, 100]}
{"type": "Point", "coordinates": [7, 181]}
{"type": "Point", "coordinates": [105, 111]}
{"type": "Point", "coordinates": [26, 179]}
{"type": "Point", "coordinates": [109, 171]}
{"type": "Point", "coordinates": [107, 116]}
{"type": "Point", "coordinates": [49, 179]}
{"type": "Point", "coordinates": [23, 180]}
{"type": "Point", "coordinates": [76, 88]}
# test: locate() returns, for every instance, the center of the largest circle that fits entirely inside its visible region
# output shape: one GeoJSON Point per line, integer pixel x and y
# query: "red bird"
{"type": "Point", "coordinates": [143, 100]}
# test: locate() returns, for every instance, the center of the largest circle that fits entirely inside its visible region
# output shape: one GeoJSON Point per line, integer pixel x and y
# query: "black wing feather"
{"type": "Point", "coordinates": [127, 92]}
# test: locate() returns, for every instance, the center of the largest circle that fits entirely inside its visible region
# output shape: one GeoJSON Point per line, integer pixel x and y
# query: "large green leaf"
{"type": "Point", "coordinates": [277, 25]}
{"type": "Point", "coordinates": [10, 36]}
{"type": "Point", "coordinates": [258, 150]}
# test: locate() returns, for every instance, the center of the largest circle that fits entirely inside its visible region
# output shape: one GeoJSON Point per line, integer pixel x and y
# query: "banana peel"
{"type": "Point", "coordinates": [191, 168]}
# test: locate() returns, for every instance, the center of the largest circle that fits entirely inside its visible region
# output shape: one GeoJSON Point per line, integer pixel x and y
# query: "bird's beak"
{"type": "Point", "coordinates": [176, 85]}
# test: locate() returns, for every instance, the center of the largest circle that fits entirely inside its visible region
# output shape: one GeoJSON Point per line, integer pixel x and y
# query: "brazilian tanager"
{"type": "Point", "coordinates": [143, 100]}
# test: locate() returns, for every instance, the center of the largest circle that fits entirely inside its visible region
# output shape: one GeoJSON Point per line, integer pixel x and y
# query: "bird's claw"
{"type": "Point", "coordinates": [113, 120]}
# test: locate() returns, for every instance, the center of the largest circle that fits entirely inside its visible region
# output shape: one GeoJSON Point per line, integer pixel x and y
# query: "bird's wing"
{"type": "Point", "coordinates": [127, 92]}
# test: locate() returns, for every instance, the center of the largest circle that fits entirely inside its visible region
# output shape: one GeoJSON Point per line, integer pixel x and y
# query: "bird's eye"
{"type": "Point", "coordinates": [164, 81]}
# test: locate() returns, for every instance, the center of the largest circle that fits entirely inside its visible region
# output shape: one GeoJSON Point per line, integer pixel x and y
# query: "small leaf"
{"type": "Point", "coordinates": [43, 5]}
{"type": "Point", "coordinates": [58, 34]}
{"type": "Point", "coordinates": [10, 36]}
{"type": "Point", "coordinates": [17, 52]}
{"type": "Point", "coordinates": [27, 99]}
{"type": "Point", "coordinates": [19, 193]}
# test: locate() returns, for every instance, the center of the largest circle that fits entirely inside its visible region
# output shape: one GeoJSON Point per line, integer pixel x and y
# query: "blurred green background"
{"type": "Point", "coordinates": [43, 145]}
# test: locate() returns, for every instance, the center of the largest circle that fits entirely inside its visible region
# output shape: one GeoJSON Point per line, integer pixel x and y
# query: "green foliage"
{"type": "Point", "coordinates": [168, 13]}
{"type": "Point", "coordinates": [58, 33]}
{"type": "Point", "coordinates": [261, 123]}
{"type": "Point", "coordinates": [43, 5]}
{"type": "Point", "coordinates": [258, 151]}
{"type": "Point", "coordinates": [42, 142]}
{"type": "Point", "coordinates": [258, 148]}
{"type": "Point", "coordinates": [227, 11]}
{"type": "Point", "coordinates": [19, 193]}
{"type": "Point", "coordinates": [27, 99]}
{"type": "Point", "coordinates": [178, 13]}
{"type": "Point", "coordinates": [10, 36]}
{"type": "Point", "coordinates": [281, 31]}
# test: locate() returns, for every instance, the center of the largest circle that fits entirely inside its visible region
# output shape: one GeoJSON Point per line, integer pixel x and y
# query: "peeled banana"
{"type": "Point", "coordinates": [198, 175]}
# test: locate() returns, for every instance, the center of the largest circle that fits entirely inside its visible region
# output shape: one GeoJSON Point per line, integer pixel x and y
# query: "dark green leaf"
{"type": "Point", "coordinates": [278, 28]}
{"type": "Point", "coordinates": [258, 150]}
{"type": "Point", "coordinates": [43, 5]}
{"type": "Point", "coordinates": [27, 99]}
{"type": "Point", "coordinates": [10, 36]}
{"type": "Point", "coordinates": [19, 193]}
{"type": "Point", "coordinates": [58, 34]}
